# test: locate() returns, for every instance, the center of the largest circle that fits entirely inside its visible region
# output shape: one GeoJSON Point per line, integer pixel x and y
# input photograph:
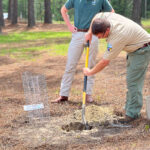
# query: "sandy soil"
{"type": "Point", "coordinates": [109, 92]}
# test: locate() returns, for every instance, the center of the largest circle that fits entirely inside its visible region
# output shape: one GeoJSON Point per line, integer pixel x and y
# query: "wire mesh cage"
{"type": "Point", "coordinates": [35, 91]}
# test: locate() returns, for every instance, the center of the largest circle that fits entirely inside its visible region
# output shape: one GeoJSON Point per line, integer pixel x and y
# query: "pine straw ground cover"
{"type": "Point", "coordinates": [109, 95]}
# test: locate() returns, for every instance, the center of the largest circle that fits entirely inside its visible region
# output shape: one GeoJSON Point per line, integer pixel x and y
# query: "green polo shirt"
{"type": "Point", "coordinates": [85, 10]}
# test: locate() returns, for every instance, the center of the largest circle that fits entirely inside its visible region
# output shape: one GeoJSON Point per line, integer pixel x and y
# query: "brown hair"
{"type": "Point", "coordinates": [100, 26]}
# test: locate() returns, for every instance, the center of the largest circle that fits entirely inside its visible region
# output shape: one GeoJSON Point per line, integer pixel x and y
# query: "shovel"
{"type": "Point", "coordinates": [84, 89]}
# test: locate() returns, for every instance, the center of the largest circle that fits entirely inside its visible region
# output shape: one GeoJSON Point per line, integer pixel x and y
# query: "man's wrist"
{"type": "Point", "coordinates": [89, 32]}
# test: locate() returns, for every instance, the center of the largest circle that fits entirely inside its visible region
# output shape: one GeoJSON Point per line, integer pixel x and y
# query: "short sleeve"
{"type": "Point", "coordinates": [106, 6]}
{"type": "Point", "coordinates": [69, 4]}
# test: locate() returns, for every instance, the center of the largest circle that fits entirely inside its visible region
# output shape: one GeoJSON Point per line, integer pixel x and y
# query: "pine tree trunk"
{"type": "Point", "coordinates": [136, 12]}
{"type": "Point", "coordinates": [47, 16]}
{"type": "Point", "coordinates": [14, 18]}
{"type": "Point", "coordinates": [0, 29]}
{"type": "Point", "coordinates": [10, 6]}
{"type": "Point", "coordinates": [1, 14]}
{"type": "Point", "coordinates": [31, 17]}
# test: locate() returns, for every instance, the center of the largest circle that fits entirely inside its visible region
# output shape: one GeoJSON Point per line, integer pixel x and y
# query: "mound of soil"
{"type": "Point", "coordinates": [96, 113]}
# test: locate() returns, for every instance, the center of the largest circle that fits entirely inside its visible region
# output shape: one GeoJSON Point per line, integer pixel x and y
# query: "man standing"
{"type": "Point", "coordinates": [123, 34]}
{"type": "Point", "coordinates": [84, 11]}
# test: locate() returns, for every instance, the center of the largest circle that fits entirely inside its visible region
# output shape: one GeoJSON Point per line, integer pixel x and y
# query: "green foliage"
{"type": "Point", "coordinates": [39, 9]}
{"type": "Point", "coordinates": [146, 10]}
{"type": "Point", "coordinates": [56, 7]}
{"type": "Point", "coordinates": [23, 9]}
{"type": "Point", "coordinates": [123, 7]}
{"type": "Point", "coordinates": [5, 5]}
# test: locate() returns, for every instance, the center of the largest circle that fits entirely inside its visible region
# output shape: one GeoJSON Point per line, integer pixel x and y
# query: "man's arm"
{"type": "Point", "coordinates": [99, 66]}
{"type": "Point", "coordinates": [88, 35]}
{"type": "Point", "coordinates": [64, 13]}
{"type": "Point", "coordinates": [113, 11]}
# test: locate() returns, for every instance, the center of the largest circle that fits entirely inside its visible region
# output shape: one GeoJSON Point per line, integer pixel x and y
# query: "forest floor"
{"type": "Point", "coordinates": [109, 98]}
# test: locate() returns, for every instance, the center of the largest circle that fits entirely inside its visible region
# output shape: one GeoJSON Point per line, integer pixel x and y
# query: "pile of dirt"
{"type": "Point", "coordinates": [96, 113]}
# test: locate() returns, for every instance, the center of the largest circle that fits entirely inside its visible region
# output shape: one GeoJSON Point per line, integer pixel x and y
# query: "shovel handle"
{"type": "Point", "coordinates": [85, 77]}
{"type": "Point", "coordinates": [86, 65]}
{"type": "Point", "coordinates": [87, 54]}
{"type": "Point", "coordinates": [85, 83]}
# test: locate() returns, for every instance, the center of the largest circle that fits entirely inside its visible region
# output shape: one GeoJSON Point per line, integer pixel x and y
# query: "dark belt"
{"type": "Point", "coordinates": [82, 30]}
{"type": "Point", "coordinates": [146, 44]}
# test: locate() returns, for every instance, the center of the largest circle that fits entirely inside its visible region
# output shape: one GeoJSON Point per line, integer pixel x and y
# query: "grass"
{"type": "Point", "coordinates": [148, 30]}
{"type": "Point", "coordinates": [28, 36]}
{"type": "Point", "coordinates": [60, 49]}
{"type": "Point", "coordinates": [146, 22]}
{"type": "Point", "coordinates": [23, 53]}
{"type": "Point", "coordinates": [54, 43]}
{"type": "Point", "coordinates": [28, 53]}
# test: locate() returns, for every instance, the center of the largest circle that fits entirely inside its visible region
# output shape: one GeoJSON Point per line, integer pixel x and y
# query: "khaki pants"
{"type": "Point", "coordinates": [75, 51]}
{"type": "Point", "coordinates": [137, 64]}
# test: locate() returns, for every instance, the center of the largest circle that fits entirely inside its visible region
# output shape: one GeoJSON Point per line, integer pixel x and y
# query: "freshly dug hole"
{"type": "Point", "coordinates": [76, 126]}
{"type": "Point", "coordinates": [93, 114]}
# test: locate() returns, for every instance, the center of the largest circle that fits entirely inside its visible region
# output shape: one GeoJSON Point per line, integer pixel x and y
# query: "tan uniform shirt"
{"type": "Point", "coordinates": [124, 35]}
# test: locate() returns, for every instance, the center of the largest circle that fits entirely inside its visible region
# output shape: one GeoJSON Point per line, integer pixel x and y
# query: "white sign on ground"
{"type": "Point", "coordinates": [33, 107]}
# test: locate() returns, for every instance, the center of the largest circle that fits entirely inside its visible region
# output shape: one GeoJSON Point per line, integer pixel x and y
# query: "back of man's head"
{"type": "Point", "coordinates": [100, 26]}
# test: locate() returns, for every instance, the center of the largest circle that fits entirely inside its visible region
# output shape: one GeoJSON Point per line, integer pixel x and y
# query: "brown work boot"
{"type": "Point", "coordinates": [89, 98]}
{"type": "Point", "coordinates": [60, 99]}
{"type": "Point", "coordinates": [126, 120]}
